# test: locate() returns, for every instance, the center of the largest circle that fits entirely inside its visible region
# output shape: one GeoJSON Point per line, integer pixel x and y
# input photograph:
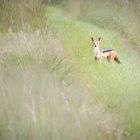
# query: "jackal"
{"type": "Point", "coordinates": [100, 53]}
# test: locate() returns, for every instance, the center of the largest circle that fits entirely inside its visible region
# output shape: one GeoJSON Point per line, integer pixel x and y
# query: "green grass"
{"type": "Point", "coordinates": [43, 98]}
{"type": "Point", "coordinates": [116, 85]}
{"type": "Point", "coordinates": [51, 87]}
{"type": "Point", "coordinates": [121, 16]}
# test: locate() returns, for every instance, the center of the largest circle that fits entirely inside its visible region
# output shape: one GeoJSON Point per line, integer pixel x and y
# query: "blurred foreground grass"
{"type": "Point", "coordinates": [40, 100]}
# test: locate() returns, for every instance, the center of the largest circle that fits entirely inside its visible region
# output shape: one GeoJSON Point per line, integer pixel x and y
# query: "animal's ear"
{"type": "Point", "coordinates": [99, 38]}
{"type": "Point", "coordinates": [92, 39]}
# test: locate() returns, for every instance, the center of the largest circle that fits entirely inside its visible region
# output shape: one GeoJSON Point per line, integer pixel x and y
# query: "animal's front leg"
{"type": "Point", "coordinates": [99, 60]}
{"type": "Point", "coordinates": [95, 58]}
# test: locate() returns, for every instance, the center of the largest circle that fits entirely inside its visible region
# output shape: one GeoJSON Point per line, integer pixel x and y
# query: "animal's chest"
{"type": "Point", "coordinates": [96, 51]}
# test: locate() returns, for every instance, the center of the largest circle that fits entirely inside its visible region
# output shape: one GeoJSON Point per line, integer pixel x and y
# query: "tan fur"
{"type": "Point", "coordinates": [111, 55]}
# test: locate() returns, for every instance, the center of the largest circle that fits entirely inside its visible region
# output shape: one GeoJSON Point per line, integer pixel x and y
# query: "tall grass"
{"type": "Point", "coordinates": [122, 16]}
{"type": "Point", "coordinates": [41, 93]}
{"type": "Point", "coordinates": [16, 15]}
{"type": "Point", "coordinates": [40, 100]}
{"type": "Point", "coordinates": [50, 86]}
{"type": "Point", "coordinates": [116, 85]}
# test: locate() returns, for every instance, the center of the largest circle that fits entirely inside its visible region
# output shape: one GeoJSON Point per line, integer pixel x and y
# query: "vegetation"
{"type": "Point", "coordinates": [51, 87]}
{"type": "Point", "coordinates": [121, 16]}
{"type": "Point", "coordinates": [16, 15]}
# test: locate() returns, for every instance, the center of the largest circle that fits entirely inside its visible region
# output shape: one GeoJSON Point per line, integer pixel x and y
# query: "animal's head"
{"type": "Point", "coordinates": [96, 42]}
